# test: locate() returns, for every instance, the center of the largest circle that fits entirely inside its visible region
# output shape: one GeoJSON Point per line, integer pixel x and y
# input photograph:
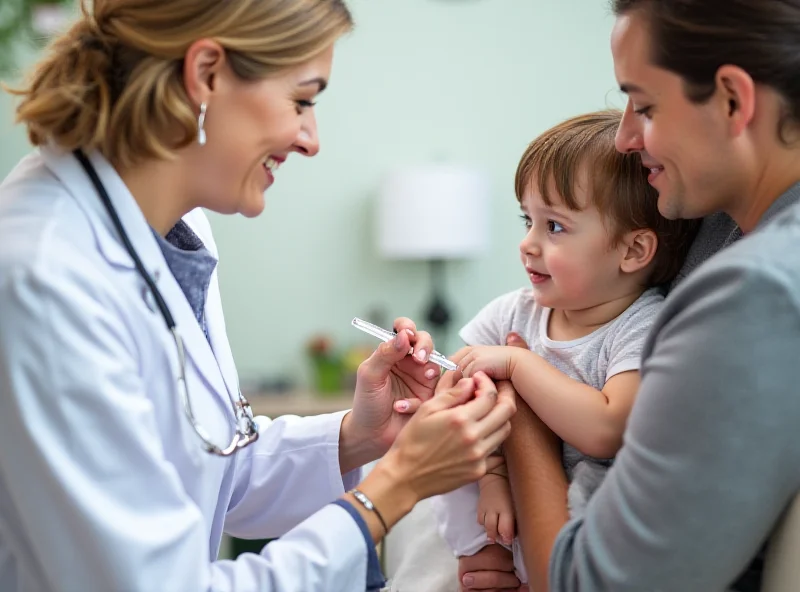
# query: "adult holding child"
{"type": "Point", "coordinates": [710, 454]}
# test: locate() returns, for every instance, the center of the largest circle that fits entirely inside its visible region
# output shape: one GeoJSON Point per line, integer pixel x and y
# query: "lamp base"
{"type": "Point", "coordinates": [438, 313]}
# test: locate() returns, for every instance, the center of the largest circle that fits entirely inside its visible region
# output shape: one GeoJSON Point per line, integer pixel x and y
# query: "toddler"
{"type": "Point", "coordinates": [597, 253]}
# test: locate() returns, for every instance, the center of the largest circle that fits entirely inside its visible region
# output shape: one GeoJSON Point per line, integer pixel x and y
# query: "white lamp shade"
{"type": "Point", "coordinates": [49, 19]}
{"type": "Point", "coordinates": [433, 212]}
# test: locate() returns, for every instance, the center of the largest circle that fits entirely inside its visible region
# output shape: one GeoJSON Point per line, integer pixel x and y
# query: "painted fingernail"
{"type": "Point", "coordinates": [422, 355]}
{"type": "Point", "coordinates": [467, 580]}
{"type": "Point", "coordinates": [430, 373]}
{"type": "Point", "coordinates": [401, 406]}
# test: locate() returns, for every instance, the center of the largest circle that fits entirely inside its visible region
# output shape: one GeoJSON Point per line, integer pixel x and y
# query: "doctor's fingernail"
{"type": "Point", "coordinates": [410, 332]}
{"type": "Point", "coordinates": [401, 406]}
{"type": "Point", "coordinates": [468, 580]}
{"type": "Point", "coordinates": [430, 373]}
{"type": "Point", "coordinates": [397, 344]}
{"type": "Point", "coordinates": [422, 355]}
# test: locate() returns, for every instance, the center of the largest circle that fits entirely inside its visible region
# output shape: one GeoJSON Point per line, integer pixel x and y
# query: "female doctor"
{"type": "Point", "coordinates": [126, 448]}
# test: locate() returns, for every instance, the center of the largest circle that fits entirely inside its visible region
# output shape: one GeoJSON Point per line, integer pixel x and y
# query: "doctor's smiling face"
{"type": "Point", "coordinates": [196, 103]}
{"type": "Point", "coordinates": [251, 126]}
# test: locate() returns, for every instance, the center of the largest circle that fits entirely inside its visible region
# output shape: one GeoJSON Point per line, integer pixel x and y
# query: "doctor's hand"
{"type": "Point", "coordinates": [445, 445]}
{"type": "Point", "coordinates": [391, 385]}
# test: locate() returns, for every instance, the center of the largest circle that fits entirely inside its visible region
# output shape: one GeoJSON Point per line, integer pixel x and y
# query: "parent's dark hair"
{"type": "Point", "coordinates": [693, 38]}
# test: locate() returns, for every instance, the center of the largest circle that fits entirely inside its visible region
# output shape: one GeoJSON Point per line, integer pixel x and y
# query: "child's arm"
{"type": "Point", "coordinates": [591, 420]}
{"type": "Point", "coordinates": [495, 506]}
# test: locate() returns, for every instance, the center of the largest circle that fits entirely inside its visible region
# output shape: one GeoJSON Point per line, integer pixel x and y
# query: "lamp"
{"type": "Point", "coordinates": [433, 213]}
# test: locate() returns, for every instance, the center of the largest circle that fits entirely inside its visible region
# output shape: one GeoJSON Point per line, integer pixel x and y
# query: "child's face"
{"type": "Point", "coordinates": [568, 254]}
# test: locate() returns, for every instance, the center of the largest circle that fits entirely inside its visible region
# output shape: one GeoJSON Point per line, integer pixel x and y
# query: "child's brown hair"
{"type": "Point", "coordinates": [618, 184]}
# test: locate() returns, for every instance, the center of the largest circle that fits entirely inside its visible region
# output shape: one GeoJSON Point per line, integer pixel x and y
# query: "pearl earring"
{"type": "Point", "coordinates": [201, 122]}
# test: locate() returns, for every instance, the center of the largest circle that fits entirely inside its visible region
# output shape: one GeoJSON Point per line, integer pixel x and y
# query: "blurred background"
{"type": "Point", "coordinates": [432, 102]}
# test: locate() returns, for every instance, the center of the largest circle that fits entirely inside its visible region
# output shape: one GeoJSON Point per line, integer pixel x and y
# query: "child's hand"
{"type": "Point", "coordinates": [496, 361]}
{"type": "Point", "coordinates": [496, 508]}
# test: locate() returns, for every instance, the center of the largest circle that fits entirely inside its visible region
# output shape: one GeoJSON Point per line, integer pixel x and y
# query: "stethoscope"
{"type": "Point", "coordinates": [246, 427]}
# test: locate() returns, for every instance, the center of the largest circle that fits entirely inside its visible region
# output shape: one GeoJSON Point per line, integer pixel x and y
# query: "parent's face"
{"type": "Point", "coordinates": [686, 146]}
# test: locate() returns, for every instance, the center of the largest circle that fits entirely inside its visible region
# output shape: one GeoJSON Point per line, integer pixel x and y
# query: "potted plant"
{"type": "Point", "coordinates": [326, 363]}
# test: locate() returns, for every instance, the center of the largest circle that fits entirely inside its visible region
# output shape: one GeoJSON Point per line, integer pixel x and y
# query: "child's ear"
{"type": "Point", "coordinates": [638, 249]}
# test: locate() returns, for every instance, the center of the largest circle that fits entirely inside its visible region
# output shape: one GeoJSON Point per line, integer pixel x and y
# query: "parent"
{"type": "Point", "coordinates": [710, 454]}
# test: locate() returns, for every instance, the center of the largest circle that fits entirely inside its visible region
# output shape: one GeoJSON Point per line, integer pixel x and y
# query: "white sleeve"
{"type": "Point", "coordinates": [457, 520]}
{"type": "Point", "coordinates": [292, 454]}
{"type": "Point", "coordinates": [630, 336]}
{"type": "Point", "coordinates": [85, 479]}
{"type": "Point", "coordinates": [492, 323]}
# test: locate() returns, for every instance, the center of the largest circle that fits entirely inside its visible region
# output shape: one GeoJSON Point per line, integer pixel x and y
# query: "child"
{"type": "Point", "coordinates": [596, 252]}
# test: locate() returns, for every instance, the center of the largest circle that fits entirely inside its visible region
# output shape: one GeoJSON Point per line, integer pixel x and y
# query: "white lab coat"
{"type": "Point", "coordinates": [103, 484]}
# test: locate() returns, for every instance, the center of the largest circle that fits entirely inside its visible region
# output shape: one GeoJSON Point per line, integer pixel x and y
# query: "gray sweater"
{"type": "Point", "coordinates": [711, 451]}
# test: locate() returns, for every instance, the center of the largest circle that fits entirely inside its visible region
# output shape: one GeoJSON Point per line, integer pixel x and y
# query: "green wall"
{"type": "Point", "coordinates": [467, 81]}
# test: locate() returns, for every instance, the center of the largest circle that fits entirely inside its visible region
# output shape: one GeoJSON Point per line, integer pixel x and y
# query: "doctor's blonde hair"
{"type": "Point", "coordinates": [114, 80]}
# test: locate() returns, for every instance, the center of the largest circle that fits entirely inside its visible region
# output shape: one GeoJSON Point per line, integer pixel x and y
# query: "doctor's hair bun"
{"type": "Point", "coordinates": [69, 99]}
{"type": "Point", "coordinates": [114, 81]}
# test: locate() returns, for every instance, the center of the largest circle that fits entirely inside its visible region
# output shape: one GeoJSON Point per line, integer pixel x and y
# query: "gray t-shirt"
{"type": "Point", "coordinates": [593, 359]}
{"type": "Point", "coordinates": [711, 450]}
{"type": "Point", "coordinates": [716, 232]}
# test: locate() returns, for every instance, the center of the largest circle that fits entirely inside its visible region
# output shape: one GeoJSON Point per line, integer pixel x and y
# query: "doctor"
{"type": "Point", "coordinates": [126, 448]}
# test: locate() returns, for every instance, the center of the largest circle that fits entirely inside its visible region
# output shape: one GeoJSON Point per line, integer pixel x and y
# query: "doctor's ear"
{"type": "Point", "coordinates": [638, 249]}
{"type": "Point", "coordinates": [204, 62]}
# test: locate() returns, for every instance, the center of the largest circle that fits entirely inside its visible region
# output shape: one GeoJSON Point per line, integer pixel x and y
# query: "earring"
{"type": "Point", "coordinates": [201, 122]}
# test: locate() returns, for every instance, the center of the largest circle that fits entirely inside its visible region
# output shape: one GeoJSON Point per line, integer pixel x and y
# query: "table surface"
{"type": "Point", "coordinates": [298, 403]}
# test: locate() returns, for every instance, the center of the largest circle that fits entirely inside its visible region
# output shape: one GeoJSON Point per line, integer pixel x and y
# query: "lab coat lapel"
{"type": "Point", "coordinates": [218, 336]}
{"type": "Point", "coordinates": [66, 167]}
{"type": "Point", "coordinates": [215, 320]}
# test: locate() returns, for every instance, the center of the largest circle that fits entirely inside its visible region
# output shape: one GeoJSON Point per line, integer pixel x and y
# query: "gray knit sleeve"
{"type": "Point", "coordinates": [711, 450]}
